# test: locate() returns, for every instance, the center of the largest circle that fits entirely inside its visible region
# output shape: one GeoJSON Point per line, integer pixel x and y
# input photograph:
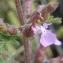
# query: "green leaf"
{"type": "Point", "coordinates": [51, 19]}
{"type": "Point", "coordinates": [1, 46]}
{"type": "Point", "coordinates": [11, 58]}
{"type": "Point", "coordinates": [1, 36]}
{"type": "Point", "coordinates": [6, 38]}
{"type": "Point", "coordinates": [1, 60]}
{"type": "Point", "coordinates": [15, 42]}
{"type": "Point", "coordinates": [14, 37]}
{"type": "Point", "coordinates": [1, 50]}
{"type": "Point", "coordinates": [5, 47]}
{"type": "Point", "coordinates": [1, 43]}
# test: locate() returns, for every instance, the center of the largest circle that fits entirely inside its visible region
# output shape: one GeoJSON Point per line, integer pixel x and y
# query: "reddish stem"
{"type": "Point", "coordinates": [40, 54]}
{"type": "Point", "coordinates": [56, 60]}
{"type": "Point", "coordinates": [20, 13]}
{"type": "Point", "coordinates": [27, 47]}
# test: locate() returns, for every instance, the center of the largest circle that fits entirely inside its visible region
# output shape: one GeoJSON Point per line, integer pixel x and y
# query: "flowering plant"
{"type": "Point", "coordinates": [10, 33]}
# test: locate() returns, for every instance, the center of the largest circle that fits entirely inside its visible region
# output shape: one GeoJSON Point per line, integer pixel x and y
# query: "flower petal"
{"type": "Point", "coordinates": [43, 41]}
{"type": "Point", "coordinates": [57, 42]}
{"type": "Point", "coordinates": [37, 29]}
{"type": "Point", "coordinates": [45, 25]}
{"type": "Point", "coordinates": [48, 39]}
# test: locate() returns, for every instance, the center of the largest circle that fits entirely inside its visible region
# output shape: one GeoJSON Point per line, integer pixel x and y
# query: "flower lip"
{"type": "Point", "coordinates": [48, 38]}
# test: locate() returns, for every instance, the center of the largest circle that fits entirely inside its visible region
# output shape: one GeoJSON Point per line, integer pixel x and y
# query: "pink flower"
{"type": "Point", "coordinates": [47, 37]}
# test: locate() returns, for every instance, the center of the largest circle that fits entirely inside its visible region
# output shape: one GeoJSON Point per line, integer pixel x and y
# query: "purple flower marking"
{"type": "Point", "coordinates": [47, 37]}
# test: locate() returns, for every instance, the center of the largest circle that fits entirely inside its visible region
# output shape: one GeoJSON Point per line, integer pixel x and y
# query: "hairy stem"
{"type": "Point", "coordinates": [20, 13]}
{"type": "Point", "coordinates": [40, 54]}
{"type": "Point", "coordinates": [27, 47]}
{"type": "Point", "coordinates": [58, 59]}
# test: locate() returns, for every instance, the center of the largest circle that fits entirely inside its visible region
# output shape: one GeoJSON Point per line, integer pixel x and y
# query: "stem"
{"type": "Point", "coordinates": [26, 41]}
{"type": "Point", "coordinates": [20, 13]}
{"type": "Point", "coordinates": [40, 54]}
{"type": "Point", "coordinates": [28, 51]}
{"type": "Point", "coordinates": [58, 59]}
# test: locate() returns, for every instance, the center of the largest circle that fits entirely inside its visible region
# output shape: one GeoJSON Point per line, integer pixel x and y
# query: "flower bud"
{"type": "Point", "coordinates": [12, 29]}
{"type": "Point", "coordinates": [27, 30]}
{"type": "Point", "coordinates": [3, 27]}
{"type": "Point", "coordinates": [28, 7]}
{"type": "Point", "coordinates": [45, 10]}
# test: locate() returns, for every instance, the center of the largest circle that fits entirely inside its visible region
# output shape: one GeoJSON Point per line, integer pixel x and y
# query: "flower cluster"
{"type": "Point", "coordinates": [47, 36]}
